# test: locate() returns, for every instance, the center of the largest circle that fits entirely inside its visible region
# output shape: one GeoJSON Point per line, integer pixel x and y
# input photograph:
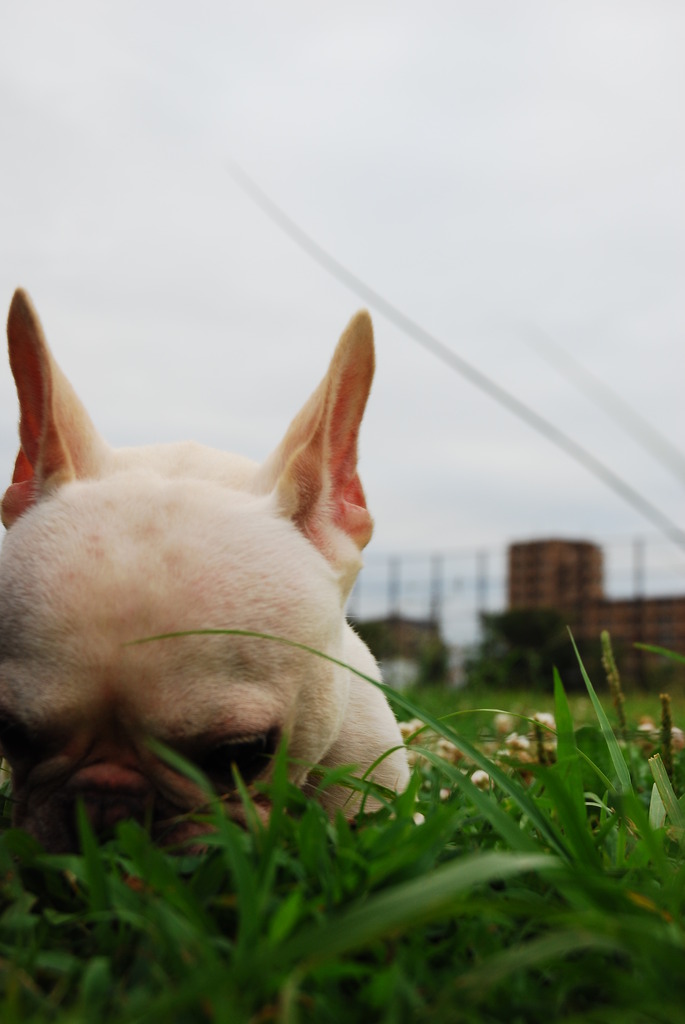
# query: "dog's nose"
{"type": "Point", "coordinates": [105, 808]}
{"type": "Point", "coordinates": [111, 793]}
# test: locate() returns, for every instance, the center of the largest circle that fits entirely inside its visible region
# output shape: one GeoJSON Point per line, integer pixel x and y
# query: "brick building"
{"type": "Point", "coordinates": [568, 577]}
{"type": "Point", "coordinates": [555, 574]}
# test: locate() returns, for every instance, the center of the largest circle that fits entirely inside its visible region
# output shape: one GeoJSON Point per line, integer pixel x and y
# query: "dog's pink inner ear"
{"type": "Point", "coordinates": [29, 374]}
{"type": "Point", "coordinates": [23, 470]}
{"type": "Point", "coordinates": [20, 494]}
{"type": "Point", "coordinates": [348, 502]}
{"type": "Point", "coordinates": [316, 465]}
{"type": "Point", "coordinates": [58, 441]}
{"type": "Point", "coordinates": [31, 363]}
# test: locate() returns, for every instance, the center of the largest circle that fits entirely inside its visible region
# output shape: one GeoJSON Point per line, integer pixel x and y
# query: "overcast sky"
{"type": "Point", "coordinates": [498, 171]}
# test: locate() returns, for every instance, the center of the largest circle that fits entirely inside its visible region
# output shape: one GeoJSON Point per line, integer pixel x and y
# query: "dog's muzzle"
{"type": "Point", "coordinates": [111, 793]}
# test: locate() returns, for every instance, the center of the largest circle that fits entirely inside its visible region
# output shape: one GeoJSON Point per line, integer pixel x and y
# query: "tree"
{"type": "Point", "coordinates": [521, 647]}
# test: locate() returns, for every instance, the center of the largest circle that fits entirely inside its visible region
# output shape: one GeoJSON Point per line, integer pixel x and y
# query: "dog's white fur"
{"type": "Point", "coordinates": [107, 546]}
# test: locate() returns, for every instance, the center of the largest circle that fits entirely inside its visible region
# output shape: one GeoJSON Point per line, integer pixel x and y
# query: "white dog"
{"type": "Point", "coordinates": [105, 547]}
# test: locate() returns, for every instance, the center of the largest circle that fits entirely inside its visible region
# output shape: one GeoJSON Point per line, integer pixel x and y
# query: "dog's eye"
{"type": "Point", "coordinates": [249, 754]}
{"type": "Point", "coordinates": [15, 739]}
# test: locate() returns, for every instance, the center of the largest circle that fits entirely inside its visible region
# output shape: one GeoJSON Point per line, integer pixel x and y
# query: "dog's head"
{"type": "Point", "coordinates": [106, 547]}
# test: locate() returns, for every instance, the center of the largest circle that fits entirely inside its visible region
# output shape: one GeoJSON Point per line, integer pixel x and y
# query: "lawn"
{"type": "Point", "coordinates": [472, 708]}
{"type": "Point", "coordinates": [537, 882]}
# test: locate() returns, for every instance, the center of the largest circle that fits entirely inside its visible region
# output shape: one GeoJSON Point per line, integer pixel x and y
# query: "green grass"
{"type": "Point", "coordinates": [472, 706]}
{"type": "Point", "coordinates": [554, 894]}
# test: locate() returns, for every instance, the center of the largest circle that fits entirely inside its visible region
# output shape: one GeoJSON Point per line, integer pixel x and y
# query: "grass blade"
{"type": "Point", "coordinates": [664, 651]}
{"type": "Point", "coordinates": [534, 953]}
{"type": "Point", "coordinates": [403, 906]}
{"type": "Point", "coordinates": [620, 767]}
{"type": "Point", "coordinates": [657, 811]}
{"type": "Point", "coordinates": [568, 761]}
{"type": "Point", "coordinates": [667, 794]}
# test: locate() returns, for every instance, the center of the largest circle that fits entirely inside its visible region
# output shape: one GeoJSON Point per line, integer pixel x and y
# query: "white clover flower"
{"type": "Point", "coordinates": [419, 818]}
{"type": "Point", "coordinates": [481, 779]}
{"type": "Point", "coordinates": [547, 739]}
{"type": "Point", "coordinates": [516, 742]}
{"type": "Point", "coordinates": [408, 729]}
{"type": "Point", "coordinates": [503, 723]}
{"type": "Point", "coordinates": [448, 751]}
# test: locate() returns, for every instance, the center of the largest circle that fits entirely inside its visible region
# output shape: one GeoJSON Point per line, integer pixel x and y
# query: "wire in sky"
{"type": "Point", "coordinates": [606, 398]}
{"type": "Point", "coordinates": [456, 362]}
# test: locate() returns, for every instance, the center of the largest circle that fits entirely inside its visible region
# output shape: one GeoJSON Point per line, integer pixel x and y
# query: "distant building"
{"type": "Point", "coordinates": [568, 577]}
{"type": "Point", "coordinates": [559, 574]}
{"type": "Point", "coordinates": [408, 650]}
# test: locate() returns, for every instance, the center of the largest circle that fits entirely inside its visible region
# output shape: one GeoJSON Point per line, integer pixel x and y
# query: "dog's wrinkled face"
{"type": "Point", "coordinates": [105, 548]}
{"type": "Point", "coordinates": [79, 702]}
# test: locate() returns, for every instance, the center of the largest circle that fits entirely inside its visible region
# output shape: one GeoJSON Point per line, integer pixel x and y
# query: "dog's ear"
{"type": "Point", "coordinates": [58, 440]}
{"type": "Point", "coordinates": [314, 469]}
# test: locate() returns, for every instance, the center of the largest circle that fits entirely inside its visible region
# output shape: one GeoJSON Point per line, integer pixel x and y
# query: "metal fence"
{"type": "Point", "coordinates": [455, 587]}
